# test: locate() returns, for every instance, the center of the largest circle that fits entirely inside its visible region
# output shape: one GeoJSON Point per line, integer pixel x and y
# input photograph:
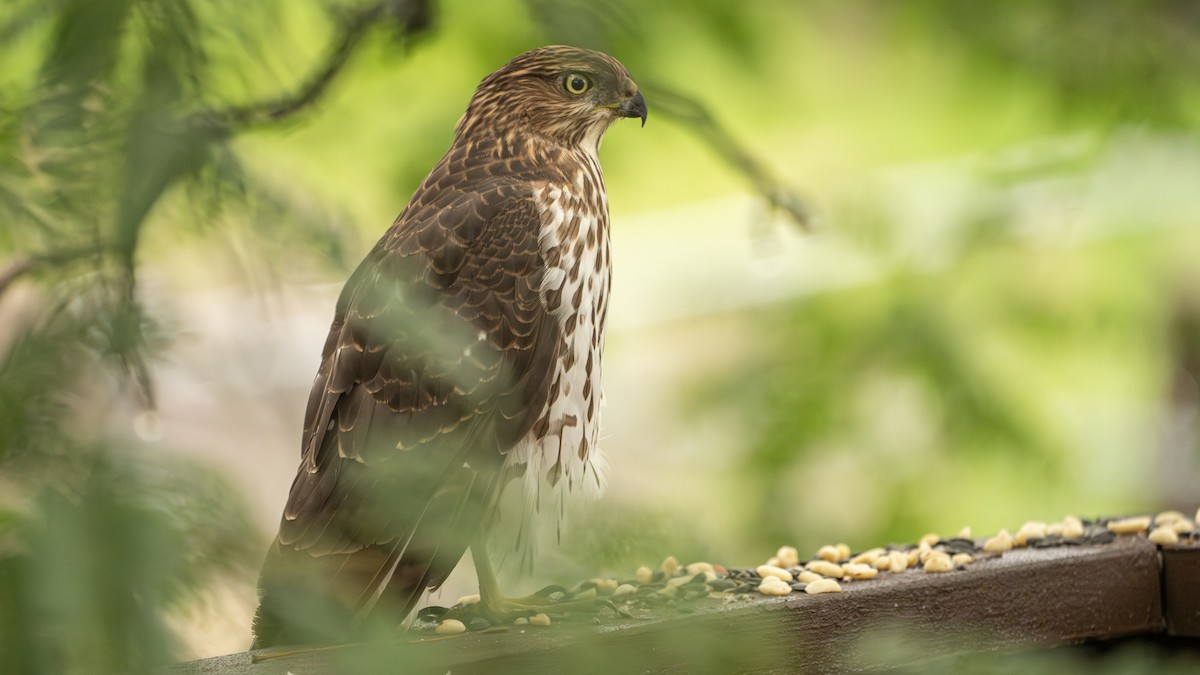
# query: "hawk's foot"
{"type": "Point", "coordinates": [551, 601]}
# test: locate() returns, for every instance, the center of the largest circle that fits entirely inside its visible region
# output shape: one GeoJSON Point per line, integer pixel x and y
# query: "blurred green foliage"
{"type": "Point", "coordinates": [1010, 355]}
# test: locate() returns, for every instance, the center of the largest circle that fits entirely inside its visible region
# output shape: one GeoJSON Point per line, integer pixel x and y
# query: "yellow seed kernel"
{"type": "Point", "coordinates": [1164, 536]}
{"type": "Point", "coordinates": [965, 533]}
{"type": "Point", "coordinates": [468, 600]}
{"type": "Point", "coordinates": [1182, 526]}
{"type": "Point", "coordinates": [698, 567]}
{"type": "Point", "coordinates": [962, 559]}
{"type": "Point", "coordinates": [1055, 529]}
{"type": "Point", "coordinates": [539, 620]}
{"type": "Point", "coordinates": [1135, 525]}
{"type": "Point", "coordinates": [930, 539]}
{"type": "Point", "coordinates": [1168, 517]}
{"type": "Point", "coordinates": [521, 621]}
{"type": "Point", "coordinates": [1072, 527]}
{"type": "Point", "coordinates": [860, 571]}
{"type": "Point", "coordinates": [670, 566]}
{"type": "Point", "coordinates": [625, 589]}
{"type": "Point", "coordinates": [1034, 529]}
{"type": "Point", "coordinates": [773, 586]}
{"type": "Point", "coordinates": [679, 581]}
{"type": "Point", "coordinates": [867, 557]}
{"type": "Point", "coordinates": [823, 586]}
{"type": "Point", "coordinates": [913, 556]}
{"type": "Point", "coordinates": [1002, 541]}
{"type": "Point", "coordinates": [899, 561]}
{"type": "Point", "coordinates": [828, 554]}
{"type": "Point", "coordinates": [843, 551]}
{"type": "Point", "coordinates": [788, 556]}
{"type": "Point", "coordinates": [883, 563]}
{"type": "Point", "coordinates": [644, 575]}
{"type": "Point", "coordinates": [808, 577]}
{"type": "Point", "coordinates": [923, 552]}
{"type": "Point", "coordinates": [826, 568]}
{"type": "Point", "coordinates": [938, 562]}
{"type": "Point", "coordinates": [1197, 516]}
{"type": "Point", "coordinates": [779, 573]}
{"type": "Point", "coordinates": [450, 627]}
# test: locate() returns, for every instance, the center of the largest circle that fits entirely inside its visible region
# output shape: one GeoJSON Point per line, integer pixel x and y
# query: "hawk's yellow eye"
{"type": "Point", "coordinates": [576, 83]}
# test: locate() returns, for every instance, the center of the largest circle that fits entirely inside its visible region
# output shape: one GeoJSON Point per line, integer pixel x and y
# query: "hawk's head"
{"type": "Point", "coordinates": [566, 94]}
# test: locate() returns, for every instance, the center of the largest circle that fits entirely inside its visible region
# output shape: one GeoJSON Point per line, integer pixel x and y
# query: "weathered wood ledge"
{"type": "Point", "coordinates": [1025, 597]}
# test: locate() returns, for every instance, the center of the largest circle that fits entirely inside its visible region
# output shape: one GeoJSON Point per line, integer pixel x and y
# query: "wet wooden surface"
{"type": "Point", "coordinates": [1027, 596]}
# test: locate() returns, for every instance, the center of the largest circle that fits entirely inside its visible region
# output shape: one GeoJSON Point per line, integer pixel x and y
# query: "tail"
{"type": "Point", "coordinates": [309, 600]}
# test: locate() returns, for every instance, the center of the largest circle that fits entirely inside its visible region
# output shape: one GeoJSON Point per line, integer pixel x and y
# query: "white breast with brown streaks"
{"type": "Point", "coordinates": [562, 446]}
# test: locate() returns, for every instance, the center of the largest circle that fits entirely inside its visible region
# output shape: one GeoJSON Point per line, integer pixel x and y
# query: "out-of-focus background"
{"type": "Point", "coordinates": [880, 269]}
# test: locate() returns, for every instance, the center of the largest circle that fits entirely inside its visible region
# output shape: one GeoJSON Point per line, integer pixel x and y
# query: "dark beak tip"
{"type": "Point", "coordinates": [635, 107]}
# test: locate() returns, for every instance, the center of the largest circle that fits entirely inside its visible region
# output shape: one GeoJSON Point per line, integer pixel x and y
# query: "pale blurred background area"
{"type": "Point", "coordinates": [880, 269]}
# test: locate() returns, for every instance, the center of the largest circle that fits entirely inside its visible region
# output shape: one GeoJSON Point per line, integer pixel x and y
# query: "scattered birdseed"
{"type": "Point", "coordinates": [860, 571]}
{"type": "Point", "coordinates": [674, 585]}
{"type": "Point", "coordinates": [685, 579]}
{"type": "Point", "coordinates": [808, 577]}
{"type": "Point", "coordinates": [450, 627]}
{"type": "Point", "coordinates": [605, 585]}
{"type": "Point", "coordinates": [772, 571]}
{"type": "Point", "coordinates": [644, 575]}
{"type": "Point", "coordinates": [923, 551]}
{"type": "Point", "coordinates": [1197, 516]}
{"type": "Point", "coordinates": [788, 556]}
{"type": "Point", "coordinates": [823, 586]}
{"type": "Point", "coordinates": [1002, 541]}
{"type": "Point", "coordinates": [938, 562]}
{"type": "Point", "coordinates": [521, 621]}
{"type": "Point", "coordinates": [1134, 525]}
{"type": "Point", "coordinates": [829, 554]}
{"type": "Point", "coordinates": [1168, 517]}
{"type": "Point", "coordinates": [1164, 536]}
{"type": "Point", "coordinates": [1034, 529]}
{"type": "Point", "coordinates": [1072, 527]}
{"type": "Point", "coordinates": [774, 586]}
{"type": "Point", "coordinates": [868, 556]}
{"type": "Point", "coordinates": [826, 568]}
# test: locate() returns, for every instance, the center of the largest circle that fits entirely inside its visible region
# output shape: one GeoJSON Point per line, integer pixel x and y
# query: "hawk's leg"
{"type": "Point", "coordinates": [489, 588]}
{"type": "Point", "coordinates": [497, 608]}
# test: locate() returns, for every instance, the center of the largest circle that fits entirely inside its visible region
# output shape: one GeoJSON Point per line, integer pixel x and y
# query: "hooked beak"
{"type": "Point", "coordinates": [634, 107]}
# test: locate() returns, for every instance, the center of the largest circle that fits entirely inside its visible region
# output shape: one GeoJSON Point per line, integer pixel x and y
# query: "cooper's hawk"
{"type": "Point", "coordinates": [464, 353]}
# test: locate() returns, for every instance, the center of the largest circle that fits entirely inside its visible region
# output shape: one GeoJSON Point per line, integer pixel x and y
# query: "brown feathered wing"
{"type": "Point", "coordinates": [436, 366]}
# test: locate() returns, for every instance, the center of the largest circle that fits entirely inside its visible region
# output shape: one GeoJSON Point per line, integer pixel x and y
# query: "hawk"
{"type": "Point", "coordinates": [464, 353]}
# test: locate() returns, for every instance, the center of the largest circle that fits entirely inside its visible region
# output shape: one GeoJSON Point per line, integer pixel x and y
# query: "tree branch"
{"type": "Point", "coordinates": [413, 18]}
{"type": "Point", "coordinates": [700, 121]}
